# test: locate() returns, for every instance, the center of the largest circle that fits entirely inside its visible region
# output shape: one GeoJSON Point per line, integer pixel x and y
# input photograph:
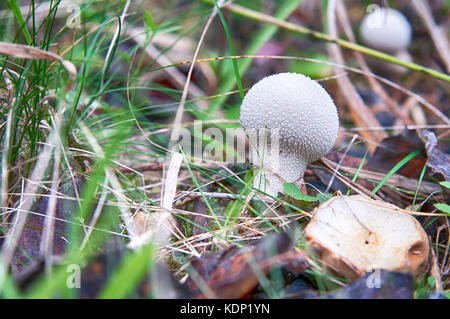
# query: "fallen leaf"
{"type": "Point", "coordinates": [30, 239]}
{"type": "Point", "coordinates": [301, 289]}
{"type": "Point", "coordinates": [393, 149]}
{"type": "Point", "coordinates": [231, 273]}
{"type": "Point", "coordinates": [438, 161]}
{"type": "Point", "coordinates": [347, 161]}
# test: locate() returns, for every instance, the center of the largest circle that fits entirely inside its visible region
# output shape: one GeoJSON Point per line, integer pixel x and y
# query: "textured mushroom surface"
{"type": "Point", "coordinates": [353, 235]}
{"type": "Point", "coordinates": [386, 29]}
{"type": "Point", "coordinates": [303, 115]}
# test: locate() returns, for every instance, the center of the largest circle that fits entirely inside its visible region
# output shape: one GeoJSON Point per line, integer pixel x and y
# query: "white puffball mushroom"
{"type": "Point", "coordinates": [303, 116]}
{"type": "Point", "coordinates": [386, 29]}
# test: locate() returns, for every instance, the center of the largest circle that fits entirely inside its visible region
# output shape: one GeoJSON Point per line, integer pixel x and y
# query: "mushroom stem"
{"type": "Point", "coordinates": [276, 169]}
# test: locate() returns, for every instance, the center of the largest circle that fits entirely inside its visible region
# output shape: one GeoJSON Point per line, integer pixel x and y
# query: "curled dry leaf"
{"type": "Point", "coordinates": [352, 235]}
{"type": "Point", "coordinates": [235, 272]}
{"type": "Point", "coordinates": [438, 161]}
{"type": "Point", "coordinates": [394, 148]}
{"type": "Point", "coordinates": [28, 52]}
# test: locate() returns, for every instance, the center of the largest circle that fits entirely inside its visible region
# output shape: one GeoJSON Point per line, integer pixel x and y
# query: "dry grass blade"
{"type": "Point", "coordinates": [46, 246]}
{"type": "Point", "coordinates": [359, 111]}
{"type": "Point", "coordinates": [176, 77]}
{"type": "Point", "coordinates": [6, 148]}
{"type": "Point", "coordinates": [28, 52]}
{"type": "Point", "coordinates": [394, 85]}
{"type": "Point", "coordinates": [41, 10]}
{"type": "Point", "coordinates": [95, 217]}
{"type": "Point", "coordinates": [331, 166]}
{"type": "Point", "coordinates": [161, 224]}
{"type": "Point", "coordinates": [114, 182]}
{"type": "Point", "coordinates": [170, 185]}
{"type": "Point", "coordinates": [27, 200]}
{"type": "Point", "coordinates": [395, 180]}
{"type": "Point", "coordinates": [180, 110]}
{"type": "Point", "coordinates": [376, 87]}
{"type": "Point", "coordinates": [437, 33]}
{"type": "Point", "coordinates": [435, 271]}
{"type": "Point", "coordinates": [5, 169]}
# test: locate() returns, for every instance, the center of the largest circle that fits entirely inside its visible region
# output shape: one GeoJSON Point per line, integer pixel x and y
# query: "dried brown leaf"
{"type": "Point", "coordinates": [231, 273]}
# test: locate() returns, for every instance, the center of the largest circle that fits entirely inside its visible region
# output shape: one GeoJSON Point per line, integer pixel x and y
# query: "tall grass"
{"type": "Point", "coordinates": [105, 135]}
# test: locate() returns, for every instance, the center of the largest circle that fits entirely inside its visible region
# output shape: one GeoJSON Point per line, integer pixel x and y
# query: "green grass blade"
{"type": "Point", "coordinates": [194, 179]}
{"type": "Point", "coordinates": [422, 174]}
{"type": "Point", "coordinates": [230, 44]}
{"type": "Point", "coordinates": [16, 11]}
{"type": "Point", "coordinates": [443, 207]}
{"type": "Point", "coordinates": [133, 268]}
{"type": "Point", "coordinates": [227, 84]}
{"type": "Point", "coordinates": [355, 177]}
{"type": "Point", "coordinates": [396, 167]}
{"type": "Point", "coordinates": [149, 21]}
{"type": "Point", "coordinates": [293, 191]}
{"type": "Point", "coordinates": [258, 16]}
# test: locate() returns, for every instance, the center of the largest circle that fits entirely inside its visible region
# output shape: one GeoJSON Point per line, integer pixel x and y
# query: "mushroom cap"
{"type": "Point", "coordinates": [386, 29]}
{"type": "Point", "coordinates": [299, 108]}
{"type": "Point", "coordinates": [353, 235]}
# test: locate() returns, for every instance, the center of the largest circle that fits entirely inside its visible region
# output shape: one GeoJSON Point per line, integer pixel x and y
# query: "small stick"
{"type": "Point", "coordinates": [258, 16]}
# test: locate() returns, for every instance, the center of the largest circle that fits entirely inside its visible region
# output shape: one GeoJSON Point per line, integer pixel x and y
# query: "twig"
{"type": "Point", "coordinates": [358, 109]}
{"type": "Point", "coordinates": [376, 87]}
{"type": "Point", "coordinates": [395, 180]}
{"type": "Point", "coordinates": [258, 16]}
{"type": "Point", "coordinates": [437, 33]}
{"type": "Point", "coordinates": [210, 195]}
{"type": "Point", "coordinates": [348, 182]}
{"type": "Point", "coordinates": [46, 245]}
{"type": "Point", "coordinates": [177, 77]}
{"type": "Point", "coordinates": [397, 127]}
{"type": "Point", "coordinates": [340, 163]}
{"type": "Point", "coordinates": [180, 110]}
{"type": "Point", "coordinates": [420, 99]}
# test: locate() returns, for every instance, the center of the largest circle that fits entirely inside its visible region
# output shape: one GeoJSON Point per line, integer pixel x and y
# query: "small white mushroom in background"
{"type": "Point", "coordinates": [387, 30]}
{"type": "Point", "coordinates": [353, 235]}
{"type": "Point", "coordinates": [298, 113]}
